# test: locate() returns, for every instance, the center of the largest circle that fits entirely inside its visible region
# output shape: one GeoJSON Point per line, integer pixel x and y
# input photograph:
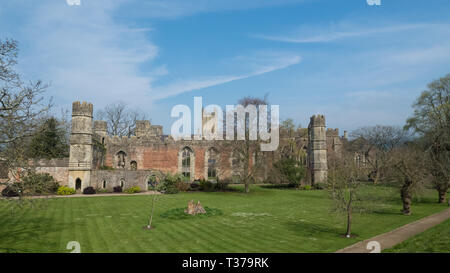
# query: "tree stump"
{"type": "Point", "coordinates": [194, 209]}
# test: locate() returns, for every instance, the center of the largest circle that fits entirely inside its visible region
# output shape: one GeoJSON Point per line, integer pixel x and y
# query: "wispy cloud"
{"type": "Point", "coordinates": [333, 33]}
{"type": "Point", "coordinates": [259, 64]}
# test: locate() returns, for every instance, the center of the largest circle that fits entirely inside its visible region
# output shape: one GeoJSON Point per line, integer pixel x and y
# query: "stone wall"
{"type": "Point", "coordinates": [58, 168]}
{"type": "Point", "coordinates": [113, 178]}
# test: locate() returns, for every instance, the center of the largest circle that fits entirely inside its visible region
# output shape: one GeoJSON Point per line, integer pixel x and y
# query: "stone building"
{"type": "Point", "coordinates": [103, 161]}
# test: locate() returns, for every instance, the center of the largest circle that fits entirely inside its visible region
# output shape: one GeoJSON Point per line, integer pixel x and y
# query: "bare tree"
{"type": "Point", "coordinates": [345, 178]}
{"type": "Point", "coordinates": [431, 121]}
{"type": "Point", "coordinates": [409, 172]}
{"type": "Point", "coordinates": [247, 157]}
{"type": "Point", "coordinates": [376, 143]}
{"type": "Point", "coordinates": [22, 107]}
{"type": "Point", "coordinates": [121, 121]}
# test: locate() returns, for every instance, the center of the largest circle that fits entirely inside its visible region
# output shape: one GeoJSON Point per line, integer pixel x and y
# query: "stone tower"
{"type": "Point", "coordinates": [317, 149]}
{"type": "Point", "coordinates": [81, 150]}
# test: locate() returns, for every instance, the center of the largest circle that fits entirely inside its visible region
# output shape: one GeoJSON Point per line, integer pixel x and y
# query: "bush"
{"type": "Point", "coordinates": [117, 189]}
{"type": "Point", "coordinates": [207, 185]}
{"type": "Point", "coordinates": [289, 171]}
{"type": "Point", "coordinates": [319, 186]}
{"type": "Point", "coordinates": [11, 190]}
{"type": "Point", "coordinates": [307, 187]}
{"type": "Point", "coordinates": [39, 183]}
{"type": "Point", "coordinates": [170, 183]}
{"type": "Point", "coordinates": [63, 190]}
{"type": "Point", "coordinates": [194, 186]}
{"type": "Point", "coordinates": [182, 186]}
{"type": "Point", "coordinates": [133, 190]}
{"type": "Point", "coordinates": [89, 190]}
{"type": "Point", "coordinates": [222, 184]}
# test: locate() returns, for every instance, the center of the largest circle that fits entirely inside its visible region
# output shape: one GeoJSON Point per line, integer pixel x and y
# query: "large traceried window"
{"type": "Point", "coordinates": [186, 162]}
{"type": "Point", "coordinates": [212, 163]}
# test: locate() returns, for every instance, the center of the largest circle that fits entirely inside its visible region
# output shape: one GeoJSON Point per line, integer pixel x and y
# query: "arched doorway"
{"type": "Point", "coordinates": [78, 184]}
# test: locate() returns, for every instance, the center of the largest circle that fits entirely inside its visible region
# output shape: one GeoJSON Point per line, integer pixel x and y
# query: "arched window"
{"type": "Point", "coordinates": [78, 184]}
{"type": "Point", "coordinates": [133, 165]}
{"type": "Point", "coordinates": [212, 157]}
{"type": "Point", "coordinates": [186, 162]}
{"type": "Point", "coordinates": [121, 158]}
{"type": "Point", "coordinates": [122, 182]}
{"type": "Point", "coordinates": [104, 184]}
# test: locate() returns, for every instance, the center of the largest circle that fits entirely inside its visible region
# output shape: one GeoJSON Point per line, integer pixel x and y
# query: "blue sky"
{"type": "Point", "coordinates": [357, 64]}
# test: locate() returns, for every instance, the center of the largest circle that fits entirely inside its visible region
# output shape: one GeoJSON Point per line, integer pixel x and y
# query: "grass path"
{"type": "Point", "coordinates": [266, 220]}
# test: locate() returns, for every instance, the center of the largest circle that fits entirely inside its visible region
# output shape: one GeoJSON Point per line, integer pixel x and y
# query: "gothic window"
{"type": "Point", "coordinates": [122, 182]}
{"type": "Point", "coordinates": [212, 163]}
{"type": "Point", "coordinates": [104, 184]}
{"type": "Point", "coordinates": [186, 162]}
{"type": "Point", "coordinates": [121, 159]}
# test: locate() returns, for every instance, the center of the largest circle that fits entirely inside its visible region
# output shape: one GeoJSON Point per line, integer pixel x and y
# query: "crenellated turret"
{"type": "Point", "coordinates": [317, 149]}
{"type": "Point", "coordinates": [81, 153]}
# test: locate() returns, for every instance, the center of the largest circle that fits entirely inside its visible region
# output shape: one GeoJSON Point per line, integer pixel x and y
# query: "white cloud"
{"type": "Point", "coordinates": [258, 63]}
{"type": "Point", "coordinates": [309, 34]}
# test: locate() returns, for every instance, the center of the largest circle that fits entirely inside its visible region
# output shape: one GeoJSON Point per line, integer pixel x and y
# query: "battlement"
{"type": "Point", "coordinates": [332, 132]}
{"type": "Point", "coordinates": [100, 125]}
{"type": "Point", "coordinates": [317, 121]}
{"type": "Point", "coordinates": [82, 109]}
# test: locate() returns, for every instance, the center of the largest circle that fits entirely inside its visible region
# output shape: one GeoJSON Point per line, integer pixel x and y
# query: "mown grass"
{"type": "Point", "coordinates": [434, 240]}
{"type": "Point", "coordinates": [266, 220]}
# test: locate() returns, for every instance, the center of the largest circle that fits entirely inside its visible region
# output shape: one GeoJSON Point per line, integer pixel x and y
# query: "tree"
{"type": "Point", "coordinates": [121, 121]}
{"type": "Point", "coordinates": [431, 121]}
{"type": "Point", "coordinates": [344, 181]}
{"type": "Point", "coordinates": [21, 108]}
{"type": "Point", "coordinates": [247, 156]}
{"type": "Point", "coordinates": [290, 171]}
{"type": "Point", "coordinates": [375, 144]}
{"type": "Point", "coordinates": [409, 171]}
{"type": "Point", "coordinates": [49, 141]}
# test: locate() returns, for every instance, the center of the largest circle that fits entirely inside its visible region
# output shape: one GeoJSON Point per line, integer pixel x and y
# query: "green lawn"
{"type": "Point", "coordinates": [434, 240]}
{"type": "Point", "coordinates": [266, 220]}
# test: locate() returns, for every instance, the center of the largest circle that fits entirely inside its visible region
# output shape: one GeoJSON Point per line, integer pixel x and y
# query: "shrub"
{"type": "Point", "coordinates": [63, 190]}
{"type": "Point", "coordinates": [194, 186]}
{"type": "Point", "coordinates": [117, 189]}
{"type": "Point", "coordinates": [222, 184]}
{"type": "Point", "coordinates": [307, 187]}
{"type": "Point", "coordinates": [89, 190]}
{"type": "Point", "coordinates": [182, 186]}
{"type": "Point", "coordinates": [11, 190]}
{"type": "Point", "coordinates": [169, 183]}
{"type": "Point", "coordinates": [206, 185]}
{"type": "Point", "coordinates": [39, 183]}
{"type": "Point", "coordinates": [319, 186]}
{"type": "Point", "coordinates": [289, 171]}
{"type": "Point", "coordinates": [133, 190]}
{"type": "Point", "coordinates": [106, 168]}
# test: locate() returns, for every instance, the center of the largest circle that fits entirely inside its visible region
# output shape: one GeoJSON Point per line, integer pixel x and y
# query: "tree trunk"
{"type": "Point", "coordinates": [247, 188]}
{"type": "Point", "coordinates": [377, 176]}
{"type": "Point", "coordinates": [406, 199]}
{"type": "Point", "coordinates": [442, 194]}
{"type": "Point", "coordinates": [349, 221]}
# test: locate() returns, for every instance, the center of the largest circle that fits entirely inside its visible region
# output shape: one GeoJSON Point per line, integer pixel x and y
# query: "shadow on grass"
{"type": "Point", "coordinates": [309, 229]}
{"type": "Point", "coordinates": [179, 214]}
{"type": "Point", "coordinates": [14, 234]}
